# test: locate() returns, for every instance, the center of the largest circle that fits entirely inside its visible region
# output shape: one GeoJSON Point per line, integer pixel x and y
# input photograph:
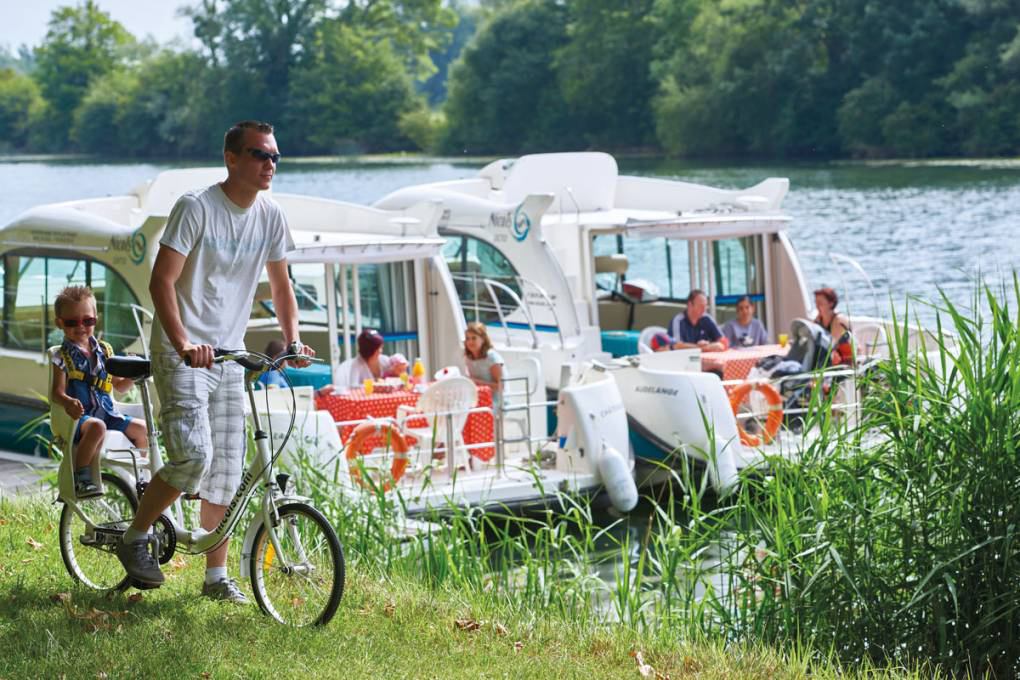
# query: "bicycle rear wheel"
{"type": "Point", "coordinates": [88, 553]}
{"type": "Point", "coordinates": [302, 585]}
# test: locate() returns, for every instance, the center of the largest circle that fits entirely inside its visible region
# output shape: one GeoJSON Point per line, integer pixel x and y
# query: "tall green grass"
{"type": "Point", "coordinates": [889, 543]}
{"type": "Point", "coordinates": [894, 542]}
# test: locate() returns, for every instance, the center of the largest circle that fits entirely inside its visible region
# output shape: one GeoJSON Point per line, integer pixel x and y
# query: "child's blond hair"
{"type": "Point", "coordinates": [71, 295]}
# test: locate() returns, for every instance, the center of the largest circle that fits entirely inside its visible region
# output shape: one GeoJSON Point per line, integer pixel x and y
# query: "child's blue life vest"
{"type": "Point", "coordinates": [90, 387]}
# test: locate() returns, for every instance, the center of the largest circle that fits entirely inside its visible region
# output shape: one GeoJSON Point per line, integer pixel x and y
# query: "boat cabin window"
{"type": "Point", "coordinates": [471, 261]}
{"type": "Point", "coordinates": [675, 266]}
{"type": "Point", "coordinates": [386, 296]}
{"type": "Point", "coordinates": [31, 284]}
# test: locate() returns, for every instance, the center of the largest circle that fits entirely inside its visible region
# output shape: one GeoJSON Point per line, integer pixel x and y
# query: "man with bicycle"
{"type": "Point", "coordinates": [216, 242]}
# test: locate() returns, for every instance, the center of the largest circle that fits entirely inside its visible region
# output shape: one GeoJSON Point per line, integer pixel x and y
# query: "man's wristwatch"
{"type": "Point", "coordinates": [295, 348]}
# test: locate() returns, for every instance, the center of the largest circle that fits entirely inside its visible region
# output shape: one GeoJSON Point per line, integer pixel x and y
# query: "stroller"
{"type": "Point", "coordinates": [810, 351]}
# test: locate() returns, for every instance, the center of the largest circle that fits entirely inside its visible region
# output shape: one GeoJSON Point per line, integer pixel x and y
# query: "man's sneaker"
{"type": "Point", "coordinates": [139, 563]}
{"type": "Point", "coordinates": [226, 589]}
{"type": "Point", "coordinates": [86, 488]}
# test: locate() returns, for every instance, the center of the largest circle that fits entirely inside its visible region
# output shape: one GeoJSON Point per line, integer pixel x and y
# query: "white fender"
{"type": "Point", "coordinates": [617, 478]}
{"type": "Point", "coordinates": [722, 468]}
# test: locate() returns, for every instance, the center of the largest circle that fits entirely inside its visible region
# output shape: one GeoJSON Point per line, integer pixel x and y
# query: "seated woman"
{"type": "Point", "coordinates": [484, 364]}
{"type": "Point", "coordinates": [745, 330]}
{"type": "Point", "coordinates": [370, 363]}
{"type": "Point", "coordinates": [837, 325]}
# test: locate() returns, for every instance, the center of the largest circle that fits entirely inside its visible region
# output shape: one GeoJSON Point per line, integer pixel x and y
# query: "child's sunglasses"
{"type": "Point", "coordinates": [73, 323]}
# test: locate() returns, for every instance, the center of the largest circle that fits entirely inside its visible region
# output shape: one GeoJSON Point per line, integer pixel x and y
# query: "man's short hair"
{"type": "Point", "coordinates": [233, 141]}
{"type": "Point", "coordinates": [71, 295]}
{"type": "Point", "coordinates": [695, 292]}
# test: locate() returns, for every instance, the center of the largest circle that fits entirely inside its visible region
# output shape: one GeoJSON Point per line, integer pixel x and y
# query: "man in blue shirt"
{"type": "Point", "coordinates": [695, 329]}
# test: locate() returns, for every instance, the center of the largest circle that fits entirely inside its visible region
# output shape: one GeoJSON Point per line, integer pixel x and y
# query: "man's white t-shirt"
{"type": "Point", "coordinates": [226, 247]}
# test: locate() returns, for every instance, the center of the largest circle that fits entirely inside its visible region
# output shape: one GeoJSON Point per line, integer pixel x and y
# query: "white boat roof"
{"type": "Point", "coordinates": [360, 248]}
{"type": "Point", "coordinates": [658, 223]}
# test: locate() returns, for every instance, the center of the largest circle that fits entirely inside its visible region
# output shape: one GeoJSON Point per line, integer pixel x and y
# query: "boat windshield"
{"type": "Point", "coordinates": [726, 268]}
{"type": "Point", "coordinates": [31, 284]}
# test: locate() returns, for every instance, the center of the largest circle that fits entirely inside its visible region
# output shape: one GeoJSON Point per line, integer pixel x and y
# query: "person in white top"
{"type": "Point", "coordinates": [216, 243]}
{"type": "Point", "coordinates": [371, 363]}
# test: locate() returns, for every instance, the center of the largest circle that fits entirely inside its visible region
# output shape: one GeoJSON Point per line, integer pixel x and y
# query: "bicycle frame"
{"type": "Point", "coordinates": [258, 472]}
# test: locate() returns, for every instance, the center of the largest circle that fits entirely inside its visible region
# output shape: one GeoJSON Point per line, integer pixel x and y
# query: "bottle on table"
{"type": "Point", "coordinates": [418, 372]}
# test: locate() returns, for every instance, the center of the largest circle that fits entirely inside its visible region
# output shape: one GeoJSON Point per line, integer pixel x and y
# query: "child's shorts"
{"type": "Point", "coordinates": [115, 422]}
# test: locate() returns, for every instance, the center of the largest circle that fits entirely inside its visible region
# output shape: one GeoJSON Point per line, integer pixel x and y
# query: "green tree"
{"type": "Point", "coordinates": [20, 106]}
{"type": "Point", "coordinates": [604, 70]}
{"type": "Point", "coordinates": [165, 107]}
{"type": "Point", "coordinates": [504, 91]}
{"type": "Point", "coordinates": [349, 93]}
{"type": "Point", "coordinates": [82, 44]}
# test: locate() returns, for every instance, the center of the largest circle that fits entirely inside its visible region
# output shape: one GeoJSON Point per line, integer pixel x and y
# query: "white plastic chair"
{"type": "Point", "coordinates": [644, 342]}
{"type": "Point", "coordinates": [870, 339]}
{"type": "Point", "coordinates": [457, 394]}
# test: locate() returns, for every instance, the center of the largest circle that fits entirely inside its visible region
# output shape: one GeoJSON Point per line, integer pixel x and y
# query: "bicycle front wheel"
{"type": "Point", "coordinates": [88, 550]}
{"type": "Point", "coordinates": [301, 585]}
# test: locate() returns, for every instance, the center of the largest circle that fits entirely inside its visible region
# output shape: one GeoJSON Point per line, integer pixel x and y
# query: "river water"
{"type": "Point", "coordinates": [913, 227]}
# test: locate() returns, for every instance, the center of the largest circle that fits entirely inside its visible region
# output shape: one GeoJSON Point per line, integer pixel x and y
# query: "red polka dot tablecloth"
{"type": "Point", "coordinates": [356, 405]}
{"type": "Point", "coordinates": [736, 364]}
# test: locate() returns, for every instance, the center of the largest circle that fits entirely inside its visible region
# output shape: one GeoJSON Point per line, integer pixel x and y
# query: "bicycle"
{"type": "Point", "coordinates": [297, 574]}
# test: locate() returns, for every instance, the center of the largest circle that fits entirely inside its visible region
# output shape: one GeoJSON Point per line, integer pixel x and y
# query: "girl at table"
{"type": "Point", "coordinates": [370, 363]}
{"type": "Point", "coordinates": [484, 364]}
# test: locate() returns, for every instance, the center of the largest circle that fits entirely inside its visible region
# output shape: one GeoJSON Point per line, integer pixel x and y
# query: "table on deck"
{"type": "Point", "coordinates": [736, 364]}
{"type": "Point", "coordinates": [354, 404]}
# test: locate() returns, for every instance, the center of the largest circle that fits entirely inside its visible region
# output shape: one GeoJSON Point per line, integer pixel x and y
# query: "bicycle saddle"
{"type": "Point", "coordinates": [136, 368]}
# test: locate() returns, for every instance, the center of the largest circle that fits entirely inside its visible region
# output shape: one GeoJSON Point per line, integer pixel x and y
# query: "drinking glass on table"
{"type": "Point", "coordinates": [369, 386]}
{"type": "Point", "coordinates": [783, 339]}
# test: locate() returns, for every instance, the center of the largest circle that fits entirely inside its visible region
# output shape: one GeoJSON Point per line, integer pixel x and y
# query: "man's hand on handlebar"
{"type": "Point", "coordinates": [197, 356]}
{"type": "Point", "coordinates": [297, 347]}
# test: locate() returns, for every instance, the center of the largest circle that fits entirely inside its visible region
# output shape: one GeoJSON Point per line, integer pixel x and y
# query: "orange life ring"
{"type": "Point", "coordinates": [775, 417]}
{"type": "Point", "coordinates": [356, 444]}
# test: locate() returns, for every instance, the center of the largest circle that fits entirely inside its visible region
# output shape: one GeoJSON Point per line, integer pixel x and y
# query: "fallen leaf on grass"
{"type": "Point", "coordinates": [389, 609]}
{"type": "Point", "coordinates": [36, 545]}
{"type": "Point", "coordinates": [178, 562]}
{"type": "Point", "coordinates": [518, 646]}
{"type": "Point", "coordinates": [204, 674]}
{"type": "Point", "coordinates": [469, 625]}
{"type": "Point", "coordinates": [134, 597]}
{"type": "Point", "coordinates": [60, 597]}
{"type": "Point", "coordinates": [101, 674]}
{"type": "Point", "coordinates": [499, 628]}
{"type": "Point", "coordinates": [3, 522]}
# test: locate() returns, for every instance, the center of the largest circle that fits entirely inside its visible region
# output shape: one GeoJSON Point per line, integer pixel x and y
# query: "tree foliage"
{"type": "Point", "coordinates": [504, 94]}
{"type": "Point", "coordinates": [82, 45]}
{"type": "Point", "coordinates": [790, 78]}
{"type": "Point", "coordinates": [20, 105]}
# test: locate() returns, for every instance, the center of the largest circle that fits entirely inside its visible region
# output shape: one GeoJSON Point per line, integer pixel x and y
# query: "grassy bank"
{"type": "Point", "coordinates": [386, 626]}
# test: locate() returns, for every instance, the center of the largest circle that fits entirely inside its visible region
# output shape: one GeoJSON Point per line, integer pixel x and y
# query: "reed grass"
{"type": "Point", "coordinates": [890, 543]}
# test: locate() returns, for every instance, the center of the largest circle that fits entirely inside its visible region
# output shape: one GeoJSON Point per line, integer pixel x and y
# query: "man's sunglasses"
{"type": "Point", "coordinates": [73, 323]}
{"type": "Point", "coordinates": [263, 156]}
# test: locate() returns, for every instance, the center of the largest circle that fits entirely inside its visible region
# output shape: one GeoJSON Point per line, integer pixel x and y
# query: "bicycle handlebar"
{"type": "Point", "coordinates": [250, 360]}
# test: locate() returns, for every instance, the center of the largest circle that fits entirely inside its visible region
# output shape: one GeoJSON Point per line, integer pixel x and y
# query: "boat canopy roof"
{"type": "Point", "coordinates": [361, 248]}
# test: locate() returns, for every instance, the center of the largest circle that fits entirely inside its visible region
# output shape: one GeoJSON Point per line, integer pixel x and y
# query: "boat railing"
{"type": "Point", "coordinates": [508, 404]}
{"type": "Point", "coordinates": [494, 286]}
{"type": "Point", "coordinates": [841, 373]}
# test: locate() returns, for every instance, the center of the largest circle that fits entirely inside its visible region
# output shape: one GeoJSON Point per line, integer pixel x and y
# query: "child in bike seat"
{"type": "Point", "coordinates": [81, 385]}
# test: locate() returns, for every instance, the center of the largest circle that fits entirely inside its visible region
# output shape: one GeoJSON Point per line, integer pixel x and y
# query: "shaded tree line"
{"type": "Point", "coordinates": [776, 78]}
{"type": "Point", "coordinates": [786, 78]}
{"type": "Point", "coordinates": [333, 76]}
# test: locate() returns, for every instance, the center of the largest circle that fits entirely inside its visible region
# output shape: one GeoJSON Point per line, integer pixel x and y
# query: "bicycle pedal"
{"type": "Point", "coordinates": [135, 583]}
